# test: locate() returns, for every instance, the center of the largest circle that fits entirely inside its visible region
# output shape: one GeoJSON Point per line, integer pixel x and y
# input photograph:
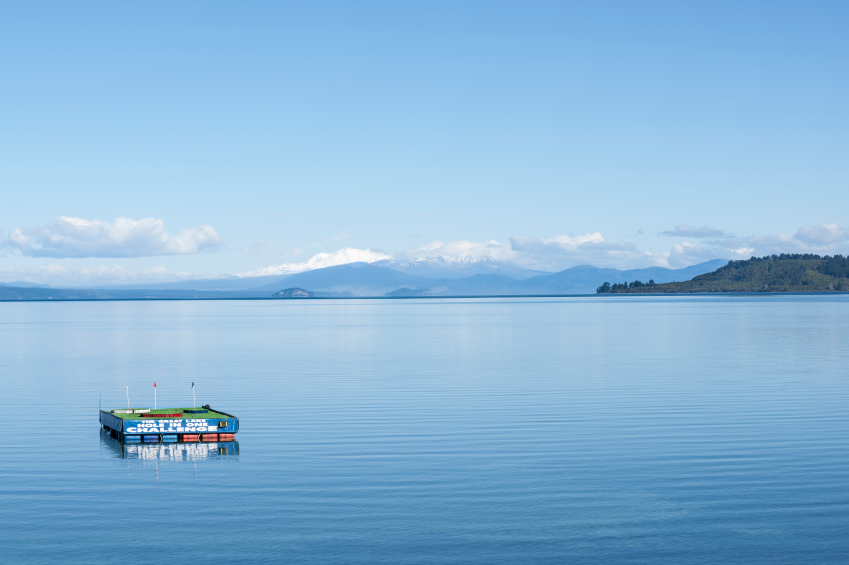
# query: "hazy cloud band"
{"type": "Point", "coordinates": [75, 237]}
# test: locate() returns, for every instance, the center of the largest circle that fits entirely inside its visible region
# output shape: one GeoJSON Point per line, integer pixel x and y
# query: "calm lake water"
{"type": "Point", "coordinates": [616, 429]}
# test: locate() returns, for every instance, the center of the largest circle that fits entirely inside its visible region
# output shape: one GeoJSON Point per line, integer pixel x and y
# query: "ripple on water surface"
{"type": "Point", "coordinates": [708, 429]}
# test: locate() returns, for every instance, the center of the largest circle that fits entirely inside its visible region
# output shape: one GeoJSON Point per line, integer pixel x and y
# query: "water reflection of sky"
{"type": "Point", "coordinates": [170, 451]}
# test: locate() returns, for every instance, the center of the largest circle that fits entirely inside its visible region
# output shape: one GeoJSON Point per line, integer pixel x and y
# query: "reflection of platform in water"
{"type": "Point", "coordinates": [171, 451]}
{"type": "Point", "coordinates": [180, 451]}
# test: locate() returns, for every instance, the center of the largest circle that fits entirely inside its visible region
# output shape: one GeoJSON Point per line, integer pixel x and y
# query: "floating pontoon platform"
{"type": "Point", "coordinates": [169, 425]}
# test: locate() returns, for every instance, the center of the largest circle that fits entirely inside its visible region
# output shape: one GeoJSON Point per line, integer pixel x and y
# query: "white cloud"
{"type": "Point", "coordinates": [560, 252]}
{"type": "Point", "coordinates": [130, 238]}
{"type": "Point", "coordinates": [683, 230]}
{"type": "Point", "coordinates": [686, 253]}
{"type": "Point", "coordinates": [574, 242]}
{"type": "Point", "coordinates": [267, 247]}
{"type": "Point", "coordinates": [125, 237]}
{"type": "Point", "coordinates": [564, 251]}
{"type": "Point", "coordinates": [550, 254]}
{"type": "Point", "coordinates": [459, 250]}
{"type": "Point", "coordinates": [58, 275]}
{"type": "Point", "coordinates": [743, 251]}
{"type": "Point", "coordinates": [320, 261]}
{"type": "Point", "coordinates": [823, 234]}
{"type": "Point", "coordinates": [822, 239]}
{"type": "Point", "coordinates": [547, 254]}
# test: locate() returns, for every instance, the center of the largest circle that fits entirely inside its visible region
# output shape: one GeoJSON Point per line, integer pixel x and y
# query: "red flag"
{"type": "Point", "coordinates": [154, 384]}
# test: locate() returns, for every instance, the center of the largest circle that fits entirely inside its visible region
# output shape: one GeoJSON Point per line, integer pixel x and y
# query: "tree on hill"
{"type": "Point", "coordinates": [607, 287]}
{"type": "Point", "coordinates": [805, 272]}
{"type": "Point", "coordinates": [837, 266]}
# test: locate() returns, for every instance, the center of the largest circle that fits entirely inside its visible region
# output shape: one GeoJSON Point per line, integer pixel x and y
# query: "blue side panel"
{"type": "Point", "coordinates": [169, 438]}
{"type": "Point", "coordinates": [151, 439]}
{"type": "Point", "coordinates": [181, 426]}
{"type": "Point", "coordinates": [111, 421]}
{"type": "Point", "coordinates": [132, 439]}
{"type": "Point", "coordinates": [231, 427]}
{"type": "Point", "coordinates": [170, 425]}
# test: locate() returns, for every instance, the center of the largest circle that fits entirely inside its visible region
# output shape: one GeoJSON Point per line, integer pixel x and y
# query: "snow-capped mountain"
{"type": "Point", "coordinates": [454, 268]}
{"type": "Point", "coordinates": [320, 261]}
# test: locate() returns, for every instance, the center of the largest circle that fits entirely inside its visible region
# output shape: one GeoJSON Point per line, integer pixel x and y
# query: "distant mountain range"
{"type": "Point", "coordinates": [39, 293]}
{"type": "Point", "coordinates": [431, 267]}
{"type": "Point", "coordinates": [383, 278]}
{"type": "Point", "coordinates": [270, 277]}
{"type": "Point", "coordinates": [364, 279]}
{"type": "Point", "coordinates": [24, 284]}
{"type": "Point", "coordinates": [446, 268]}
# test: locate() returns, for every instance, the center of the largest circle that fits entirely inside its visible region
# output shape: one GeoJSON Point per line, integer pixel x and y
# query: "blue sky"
{"type": "Point", "coordinates": [675, 132]}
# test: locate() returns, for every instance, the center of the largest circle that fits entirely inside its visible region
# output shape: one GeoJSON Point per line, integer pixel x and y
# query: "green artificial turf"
{"type": "Point", "coordinates": [212, 414]}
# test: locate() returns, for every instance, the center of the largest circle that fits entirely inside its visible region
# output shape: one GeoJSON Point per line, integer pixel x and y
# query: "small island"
{"type": "Point", "coordinates": [772, 273]}
{"type": "Point", "coordinates": [410, 292]}
{"type": "Point", "coordinates": [293, 293]}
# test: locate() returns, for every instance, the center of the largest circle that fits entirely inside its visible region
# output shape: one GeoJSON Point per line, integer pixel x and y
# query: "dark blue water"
{"type": "Point", "coordinates": [583, 430]}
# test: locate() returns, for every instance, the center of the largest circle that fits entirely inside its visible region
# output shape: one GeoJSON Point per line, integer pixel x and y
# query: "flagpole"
{"type": "Point", "coordinates": [154, 396]}
{"type": "Point", "coordinates": [128, 397]}
{"type": "Point", "coordinates": [194, 402]}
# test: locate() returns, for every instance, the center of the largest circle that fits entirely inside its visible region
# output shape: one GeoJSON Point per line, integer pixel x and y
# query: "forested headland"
{"type": "Point", "coordinates": [772, 273]}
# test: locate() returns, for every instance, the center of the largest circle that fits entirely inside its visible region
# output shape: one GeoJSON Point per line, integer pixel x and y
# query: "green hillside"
{"type": "Point", "coordinates": [773, 273]}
